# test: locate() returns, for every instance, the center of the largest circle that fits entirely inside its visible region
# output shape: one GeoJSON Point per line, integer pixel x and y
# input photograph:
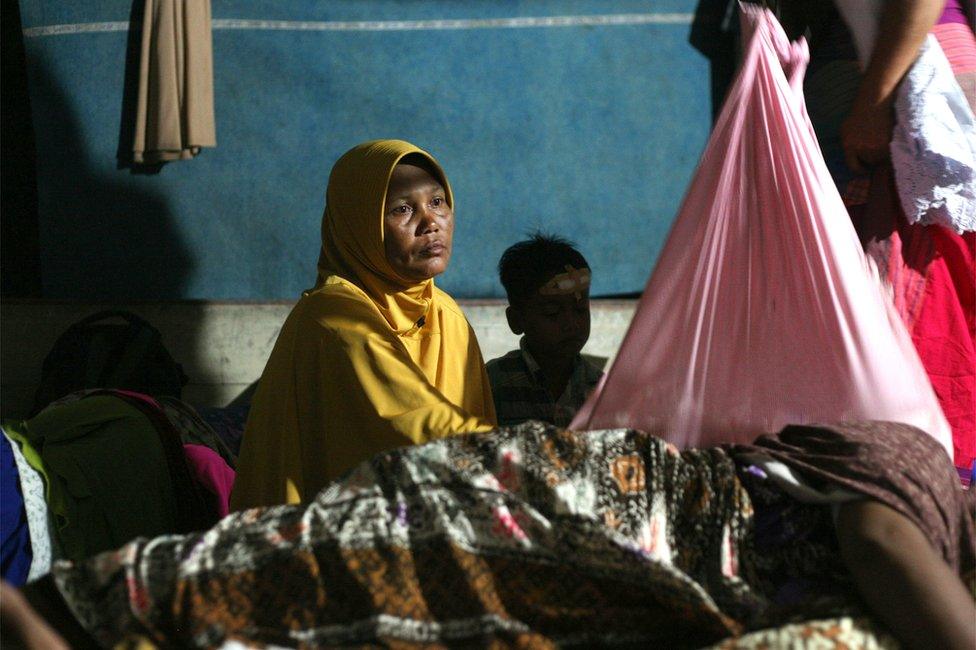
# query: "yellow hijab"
{"type": "Point", "coordinates": [352, 230]}
{"type": "Point", "coordinates": [352, 374]}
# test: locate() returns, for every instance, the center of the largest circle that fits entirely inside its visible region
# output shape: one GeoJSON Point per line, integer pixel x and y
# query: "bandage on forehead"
{"type": "Point", "coordinates": [573, 281]}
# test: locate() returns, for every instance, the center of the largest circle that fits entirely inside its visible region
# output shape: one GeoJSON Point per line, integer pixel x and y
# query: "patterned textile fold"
{"type": "Point", "coordinates": [893, 463]}
{"type": "Point", "coordinates": [530, 535]}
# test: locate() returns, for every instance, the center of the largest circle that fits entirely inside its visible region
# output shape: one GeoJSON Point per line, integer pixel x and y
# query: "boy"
{"type": "Point", "coordinates": [548, 287]}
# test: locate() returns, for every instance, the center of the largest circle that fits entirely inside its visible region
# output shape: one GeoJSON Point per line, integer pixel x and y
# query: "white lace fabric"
{"type": "Point", "coordinates": [933, 146]}
{"type": "Point", "coordinates": [35, 505]}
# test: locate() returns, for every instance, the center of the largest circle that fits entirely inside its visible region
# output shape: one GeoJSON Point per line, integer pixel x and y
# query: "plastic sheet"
{"type": "Point", "coordinates": [762, 310]}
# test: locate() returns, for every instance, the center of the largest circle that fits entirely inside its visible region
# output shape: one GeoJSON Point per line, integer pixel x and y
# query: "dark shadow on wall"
{"type": "Point", "coordinates": [130, 95]}
{"type": "Point", "coordinates": [715, 33]}
{"type": "Point", "coordinates": [105, 243]}
{"type": "Point", "coordinates": [103, 238]}
{"type": "Point", "coordinates": [20, 266]}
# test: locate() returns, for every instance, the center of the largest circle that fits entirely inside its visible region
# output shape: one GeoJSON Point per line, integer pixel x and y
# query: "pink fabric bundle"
{"type": "Point", "coordinates": [762, 310]}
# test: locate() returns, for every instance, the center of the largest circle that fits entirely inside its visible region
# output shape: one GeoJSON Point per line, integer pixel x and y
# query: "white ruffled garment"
{"type": "Point", "coordinates": [933, 146]}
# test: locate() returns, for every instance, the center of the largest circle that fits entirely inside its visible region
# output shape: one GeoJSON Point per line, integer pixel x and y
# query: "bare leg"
{"type": "Point", "coordinates": [903, 579]}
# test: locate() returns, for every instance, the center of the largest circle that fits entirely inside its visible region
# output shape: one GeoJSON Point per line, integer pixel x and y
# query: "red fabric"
{"type": "Point", "coordinates": [943, 331]}
{"type": "Point", "coordinates": [932, 275]}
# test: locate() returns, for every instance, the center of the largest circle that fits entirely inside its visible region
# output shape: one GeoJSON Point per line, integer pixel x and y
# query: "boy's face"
{"type": "Point", "coordinates": [555, 326]}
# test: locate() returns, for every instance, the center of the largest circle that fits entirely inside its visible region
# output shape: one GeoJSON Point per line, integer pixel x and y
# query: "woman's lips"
{"type": "Point", "coordinates": [433, 249]}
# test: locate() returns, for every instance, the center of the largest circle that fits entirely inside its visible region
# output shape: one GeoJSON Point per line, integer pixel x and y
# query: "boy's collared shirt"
{"type": "Point", "coordinates": [520, 394]}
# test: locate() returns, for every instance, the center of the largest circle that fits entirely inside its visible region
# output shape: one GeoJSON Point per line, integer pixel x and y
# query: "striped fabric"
{"type": "Point", "coordinates": [518, 387]}
{"type": "Point", "coordinates": [959, 45]}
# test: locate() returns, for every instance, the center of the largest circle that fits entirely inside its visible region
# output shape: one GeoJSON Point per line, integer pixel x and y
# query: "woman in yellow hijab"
{"type": "Point", "coordinates": [374, 356]}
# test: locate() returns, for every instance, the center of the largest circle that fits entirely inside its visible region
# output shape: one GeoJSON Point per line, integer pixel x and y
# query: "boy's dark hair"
{"type": "Point", "coordinates": [529, 264]}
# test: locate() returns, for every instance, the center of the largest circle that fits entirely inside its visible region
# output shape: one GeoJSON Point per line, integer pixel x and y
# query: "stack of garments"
{"type": "Point", "coordinates": [99, 468]}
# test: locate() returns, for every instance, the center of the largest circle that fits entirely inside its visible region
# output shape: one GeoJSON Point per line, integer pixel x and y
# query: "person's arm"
{"type": "Point", "coordinates": [903, 579]}
{"type": "Point", "coordinates": [22, 626]}
{"type": "Point", "coordinates": [866, 133]}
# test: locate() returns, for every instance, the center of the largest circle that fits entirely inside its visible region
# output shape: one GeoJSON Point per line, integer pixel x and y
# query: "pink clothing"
{"type": "Point", "coordinates": [953, 13]}
{"type": "Point", "coordinates": [932, 270]}
{"type": "Point", "coordinates": [213, 474]}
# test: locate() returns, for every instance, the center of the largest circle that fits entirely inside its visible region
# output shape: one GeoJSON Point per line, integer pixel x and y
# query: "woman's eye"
{"type": "Point", "coordinates": [402, 209]}
{"type": "Point", "coordinates": [437, 202]}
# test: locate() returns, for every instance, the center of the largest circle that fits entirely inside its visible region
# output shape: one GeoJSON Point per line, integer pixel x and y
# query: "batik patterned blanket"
{"type": "Point", "coordinates": [529, 536]}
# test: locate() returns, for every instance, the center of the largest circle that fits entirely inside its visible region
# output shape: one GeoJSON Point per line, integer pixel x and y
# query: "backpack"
{"type": "Point", "coordinates": [101, 352]}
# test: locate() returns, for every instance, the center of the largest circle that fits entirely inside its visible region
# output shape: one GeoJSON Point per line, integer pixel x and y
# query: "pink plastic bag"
{"type": "Point", "coordinates": [762, 310]}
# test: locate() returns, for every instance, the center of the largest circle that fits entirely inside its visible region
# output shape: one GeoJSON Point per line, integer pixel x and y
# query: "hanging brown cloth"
{"type": "Point", "coordinates": [175, 114]}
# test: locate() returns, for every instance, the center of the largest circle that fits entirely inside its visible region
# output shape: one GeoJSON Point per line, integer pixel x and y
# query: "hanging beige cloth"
{"type": "Point", "coordinates": [175, 114]}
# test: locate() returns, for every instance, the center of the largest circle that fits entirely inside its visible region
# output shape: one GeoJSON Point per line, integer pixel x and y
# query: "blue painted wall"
{"type": "Point", "coordinates": [592, 132]}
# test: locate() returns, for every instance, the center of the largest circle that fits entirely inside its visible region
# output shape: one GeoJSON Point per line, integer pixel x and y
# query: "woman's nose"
{"type": "Point", "coordinates": [428, 219]}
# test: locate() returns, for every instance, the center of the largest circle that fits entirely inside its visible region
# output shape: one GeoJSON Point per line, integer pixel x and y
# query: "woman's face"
{"type": "Point", "coordinates": [418, 224]}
